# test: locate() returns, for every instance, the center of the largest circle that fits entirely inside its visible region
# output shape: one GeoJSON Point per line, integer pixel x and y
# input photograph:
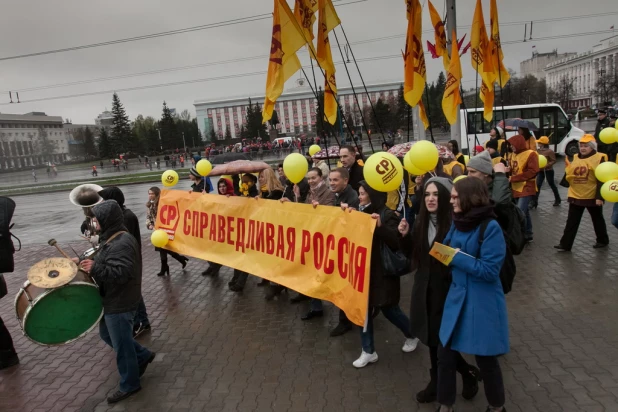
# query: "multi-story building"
{"type": "Point", "coordinates": [105, 119]}
{"type": "Point", "coordinates": [583, 70]}
{"type": "Point", "coordinates": [535, 65]}
{"type": "Point", "coordinates": [296, 109]}
{"type": "Point", "coordinates": [32, 139]}
{"type": "Point", "coordinates": [76, 136]}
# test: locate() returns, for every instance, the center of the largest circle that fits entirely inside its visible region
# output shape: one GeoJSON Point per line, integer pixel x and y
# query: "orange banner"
{"type": "Point", "coordinates": [324, 253]}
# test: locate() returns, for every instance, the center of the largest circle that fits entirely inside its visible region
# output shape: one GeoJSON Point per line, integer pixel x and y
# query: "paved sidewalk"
{"type": "Point", "coordinates": [219, 351]}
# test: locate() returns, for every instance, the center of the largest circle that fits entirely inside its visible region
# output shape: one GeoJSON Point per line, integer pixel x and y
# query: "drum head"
{"type": "Point", "coordinates": [52, 272]}
{"type": "Point", "coordinates": [63, 314]}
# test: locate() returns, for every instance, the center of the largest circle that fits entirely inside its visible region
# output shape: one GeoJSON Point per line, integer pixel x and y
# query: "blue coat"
{"type": "Point", "coordinates": [475, 318]}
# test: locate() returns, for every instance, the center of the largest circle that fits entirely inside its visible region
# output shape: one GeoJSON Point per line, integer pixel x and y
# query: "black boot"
{"type": "Point", "coordinates": [471, 380]}
{"type": "Point", "coordinates": [273, 290]}
{"type": "Point", "coordinates": [430, 393]}
{"type": "Point", "coordinates": [165, 269]}
{"type": "Point", "coordinates": [8, 358]}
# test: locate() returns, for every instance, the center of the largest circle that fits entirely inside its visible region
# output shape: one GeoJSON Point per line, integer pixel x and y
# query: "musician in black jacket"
{"type": "Point", "coordinates": [117, 269]}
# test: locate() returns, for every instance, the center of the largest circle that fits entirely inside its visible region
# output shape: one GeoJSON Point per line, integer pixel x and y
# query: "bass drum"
{"type": "Point", "coordinates": [60, 315]}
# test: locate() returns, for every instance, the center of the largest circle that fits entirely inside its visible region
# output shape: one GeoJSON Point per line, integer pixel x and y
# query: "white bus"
{"type": "Point", "coordinates": [551, 120]}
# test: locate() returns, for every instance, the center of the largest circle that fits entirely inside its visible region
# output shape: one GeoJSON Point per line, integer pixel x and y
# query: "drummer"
{"type": "Point", "coordinates": [117, 270]}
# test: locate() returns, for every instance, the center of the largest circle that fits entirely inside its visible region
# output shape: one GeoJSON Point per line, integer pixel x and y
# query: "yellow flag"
{"type": "Point", "coordinates": [304, 12]}
{"type": "Point", "coordinates": [423, 114]}
{"type": "Point", "coordinates": [501, 75]}
{"type": "Point", "coordinates": [439, 35]}
{"type": "Point", "coordinates": [452, 96]}
{"type": "Point", "coordinates": [414, 56]}
{"type": "Point", "coordinates": [328, 21]}
{"type": "Point", "coordinates": [287, 38]}
{"type": "Point", "coordinates": [479, 53]}
{"type": "Point", "coordinates": [444, 254]}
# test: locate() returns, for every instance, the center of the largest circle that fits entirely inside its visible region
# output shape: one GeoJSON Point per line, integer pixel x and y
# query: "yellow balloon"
{"type": "Point", "coordinates": [466, 159]}
{"type": "Point", "coordinates": [412, 169]}
{"type": "Point", "coordinates": [458, 178]}
{"type": "Point", "coordinates": [606, 171]}
{"type": "Point", "coordinates": [169, 178]}
{"type": "Point", "coordinates": [609, 135]}
{"type": "Point", "coordinates": [424, 155]}
{"type": "Point", "coordinates": [609, 191]}
{"type": "Point", "coordinates": [314, 149]}
{"type": "Point", "coordinates": [543, 162]}
{"type": "Point", "coordinates": [159, 238]}
{"type": "Point", "coordinates": [203, 167]}
{"type": "Point", "coordinates": [295, 167]}
{"type": "Point", "coordinates": [383, 172]}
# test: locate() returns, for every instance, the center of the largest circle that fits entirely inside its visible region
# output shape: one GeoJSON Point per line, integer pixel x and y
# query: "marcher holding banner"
{"type": "Point", "coordinates": [384, 289]}
{"type": "Point", "coordinates": [225, 187]}
{"type": "Point", "coordinates": [432, 281]}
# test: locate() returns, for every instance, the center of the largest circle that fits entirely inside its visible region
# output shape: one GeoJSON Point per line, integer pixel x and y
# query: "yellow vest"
{"type": "Point", "coordinates": [448, 169]}
{"type": "Point", "coordinates": [519, 161]}
{"type": "Point", "coordinates": [392, 199]}
{"type": "Point", "coordinates": [581, 178]}
{"type": "Point", "coordinates": [496, 160]}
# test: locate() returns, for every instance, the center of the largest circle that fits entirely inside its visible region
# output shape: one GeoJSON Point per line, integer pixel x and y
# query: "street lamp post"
{"type": "Point", "coordinates": [183, 142]}
{"type": "Point", "coordinates": [160, 141]}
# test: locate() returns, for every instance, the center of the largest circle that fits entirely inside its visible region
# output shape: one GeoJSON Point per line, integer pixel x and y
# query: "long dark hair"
{"type": "Point", "coordinates": [455, 146]}
{"type": "Point", "coordinates": [419, 234]}
{"type": "Point", "coordinates": [526, 132]}
{"type": "Point", "coordinates": [472, 193]}
{"type": "Point", "coordinates": [157, 193]}
{"type": "Point", "coordinates": [498, 135]}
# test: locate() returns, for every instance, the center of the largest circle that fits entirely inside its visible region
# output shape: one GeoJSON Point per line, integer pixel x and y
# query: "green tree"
{"type": "Point", "coordinates": [120, 137]}
{"type": "Point", "coordinates": [322, 124]}
{"type": "Point", "coordinates": [381, 117]}
{"type": "Point", "coordinates": [44, 146]}
{"type": "Point", "coordinates": [145, 130]}
{"type": "Point", "coordinates": [212, 135]}
{"type": "Point", "coordinates": [89, 146]}
{"type": "Point", "coordinates": [104, 145]}
{"type": "Point", "coordinates": [167, 125]}
{"type": "Point", "coordinates": [228, 135]}
{"type": "Point", "coordinates": [253, 120]}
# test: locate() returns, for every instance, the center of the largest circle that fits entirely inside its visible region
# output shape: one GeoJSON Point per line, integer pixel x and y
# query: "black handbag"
{"type": "Point", "coordinates": [563, 181]}
{"type": "Point", "coordinates": [395, 263]}
{"type": "Point", "coordinates": [3, 289]}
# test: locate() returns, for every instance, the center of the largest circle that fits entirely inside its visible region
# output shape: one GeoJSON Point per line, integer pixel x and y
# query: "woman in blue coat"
{"type": "Point", "coordinates": [474, 320]}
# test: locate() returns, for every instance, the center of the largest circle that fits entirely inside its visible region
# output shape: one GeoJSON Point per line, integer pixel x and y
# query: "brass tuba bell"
{"type": "Point", "coordinates": [86, 195]}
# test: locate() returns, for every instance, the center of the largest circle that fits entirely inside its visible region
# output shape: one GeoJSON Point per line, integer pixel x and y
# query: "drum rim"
{"type": "Point", "coordinates": [41, 296]}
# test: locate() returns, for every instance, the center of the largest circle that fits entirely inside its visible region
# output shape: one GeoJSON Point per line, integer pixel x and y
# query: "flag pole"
{"type": "Point", "coordinates": [321, 120]}
{"type": "Point", "coordinates": [465, 110]}
{"type": "Point", "coordinates": [361, 77]}
{"type": "Point", "coordinates": [429, 115]}
{"type": "Point", "coordinates": [476, 105]}
{"type": "Point", "coordinates": [408, 110]}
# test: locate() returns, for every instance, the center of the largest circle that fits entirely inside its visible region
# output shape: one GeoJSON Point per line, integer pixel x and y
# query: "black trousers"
{"type": "Point", "coordinates": [6, 342]}
{"type": "Point", "coordinates": [461, 365]}
{"type": "Point", "coordinates": [540, 178]}
{"type": "Point", "coordinates": [447, 377]}
{"type": "Point", "coordinates": [575, 217]}
{"type": "Point", "coordinates": [163, 253]}
{"type": "Point", "coordinates": [343, 319]}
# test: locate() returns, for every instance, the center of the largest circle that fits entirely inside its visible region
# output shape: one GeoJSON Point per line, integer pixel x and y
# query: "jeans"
{"type": "Point", "coordinates": [615, 216]}
{"type": "Point", "coordinates": [540, 178]}
{"type": "Point", "coordinates": [396, 316]}
{"type": "Point", "coordinates": [523, 204]}
{"type": "Point", "coordinates": [447, 378]}
{"type": "Point", "coordinates": [117, 331]}
{"type": "Point", "coordinates": [575, 217]}
{"type": "Point", "coordinates": [141, 316]}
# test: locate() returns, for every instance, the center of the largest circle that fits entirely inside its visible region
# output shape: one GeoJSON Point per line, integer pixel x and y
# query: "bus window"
{"type": "Point", "coordinates": [547, 126]}
{"type": "Point", "coordinates": [475, 123]}
{"type": "Point", "coordinates": [564, 125]}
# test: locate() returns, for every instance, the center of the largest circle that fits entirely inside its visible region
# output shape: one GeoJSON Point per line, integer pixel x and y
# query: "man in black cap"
{"type": "Point", "coordinates": [602, 123]}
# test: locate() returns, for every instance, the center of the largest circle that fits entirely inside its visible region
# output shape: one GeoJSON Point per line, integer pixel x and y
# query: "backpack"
{"type": "Point", "coordinates": [513, 223]}
{"type": "Point", "coordinates": [508, 269]}
{"type": "Point", "coordinates": [7, 208]}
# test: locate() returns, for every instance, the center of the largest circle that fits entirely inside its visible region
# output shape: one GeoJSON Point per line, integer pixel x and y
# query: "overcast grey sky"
{"type": "Point", "coordinates": [29, 26]}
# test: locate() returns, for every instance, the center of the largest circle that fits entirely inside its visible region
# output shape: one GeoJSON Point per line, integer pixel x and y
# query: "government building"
{"type": "Point", "coordinates": [583, 70]}
{"type": "Point", "coordinates": [295, 108]}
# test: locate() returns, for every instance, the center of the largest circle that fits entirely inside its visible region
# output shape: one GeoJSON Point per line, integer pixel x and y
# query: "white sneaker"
{"type": "Point", "coordinates": [364, 359]}
{"type": "Point", "coordinates": [410, 345]}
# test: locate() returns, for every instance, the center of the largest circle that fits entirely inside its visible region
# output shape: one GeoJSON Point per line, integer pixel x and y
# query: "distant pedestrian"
{"type": "Point", "coordinates": [34, 175]}
{"type": "Point", "coordinates": [94, 171]}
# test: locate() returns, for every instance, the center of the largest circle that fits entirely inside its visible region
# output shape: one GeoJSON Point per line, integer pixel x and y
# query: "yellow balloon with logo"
{"type": "Point", "coordinates": [412, 169]}
{"type": "Point", "coordinates": [609, 191]}
{"type": "Point", "coordinates": [542, 162]}
{"type": "Point", "coordinates": [169, 178]}
{"type": "Point", "coordinates": [203, 167]}
{"type": "Point", "coordinates": [424, 155]}
{"type": "Point", "coordinates": [314, 149]}
{"type": "Point", "coordinates": [295, 167]}
{"type": "Point", "coordinates": [383, 172]}
{"type": "Point", "coordinates": [159, 238]}
{"type": "Point", "coordinates": [606, 171]}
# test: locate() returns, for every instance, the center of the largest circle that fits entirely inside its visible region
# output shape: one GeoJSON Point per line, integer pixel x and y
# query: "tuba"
{"type": "Point", "coordinates": [86, 196]}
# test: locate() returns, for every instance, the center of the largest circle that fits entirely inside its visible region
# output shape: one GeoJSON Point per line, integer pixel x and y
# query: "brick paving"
{"type": "Point", "coordinates": [219, 351]}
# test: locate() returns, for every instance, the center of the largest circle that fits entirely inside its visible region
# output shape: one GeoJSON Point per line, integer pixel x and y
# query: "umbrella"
{"type": "Point", "coordinates": [237, 167]}
{"type": "Point", "coordinates": [401, 149]}
{"type": "Point", "coordinates": [514, 124]}
{"type": "Point", "coordinates": [332, 153]}
{"type": "Point", "coordinates": [228, 157]}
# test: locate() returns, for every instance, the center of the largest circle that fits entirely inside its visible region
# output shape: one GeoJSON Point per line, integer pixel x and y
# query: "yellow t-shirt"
{"type": "Point", "coordinates": [581, 178]}
{"type": "Point", "coordinates": [519, 161]}
{"type": "Point", "coordinates": [448, 169]}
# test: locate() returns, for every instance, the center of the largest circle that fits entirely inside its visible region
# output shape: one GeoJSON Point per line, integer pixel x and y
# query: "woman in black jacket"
{"type": "Point", "coordinates": [432, 281]}
{"type": "Point", "coordinates": [384, 290]}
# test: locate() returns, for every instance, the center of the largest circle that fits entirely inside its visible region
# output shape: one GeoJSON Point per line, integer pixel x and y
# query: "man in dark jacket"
{"type": "Point", "coordinates": [602, 123]}
{"type": "Point", "coordinates": [345, 196]}
{"type": "Point", "coordinates": [117, 269]}
{"type": "Point", "coordinates": [141, 321]}
{"type": "Point", "coordinates": [347, 155]}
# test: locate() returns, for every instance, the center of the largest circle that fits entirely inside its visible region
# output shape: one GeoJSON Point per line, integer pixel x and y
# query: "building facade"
{"type": "Point", "coordinates": [105, 119]}
{"type": "Point", "coordinates": [535, 65]}
{"type": "Point", "coordinates": [32, 139]}
{"type": "Point", "coordinates": [583, 71]}
{"type": "Point", "coordinates": [296, 109]}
